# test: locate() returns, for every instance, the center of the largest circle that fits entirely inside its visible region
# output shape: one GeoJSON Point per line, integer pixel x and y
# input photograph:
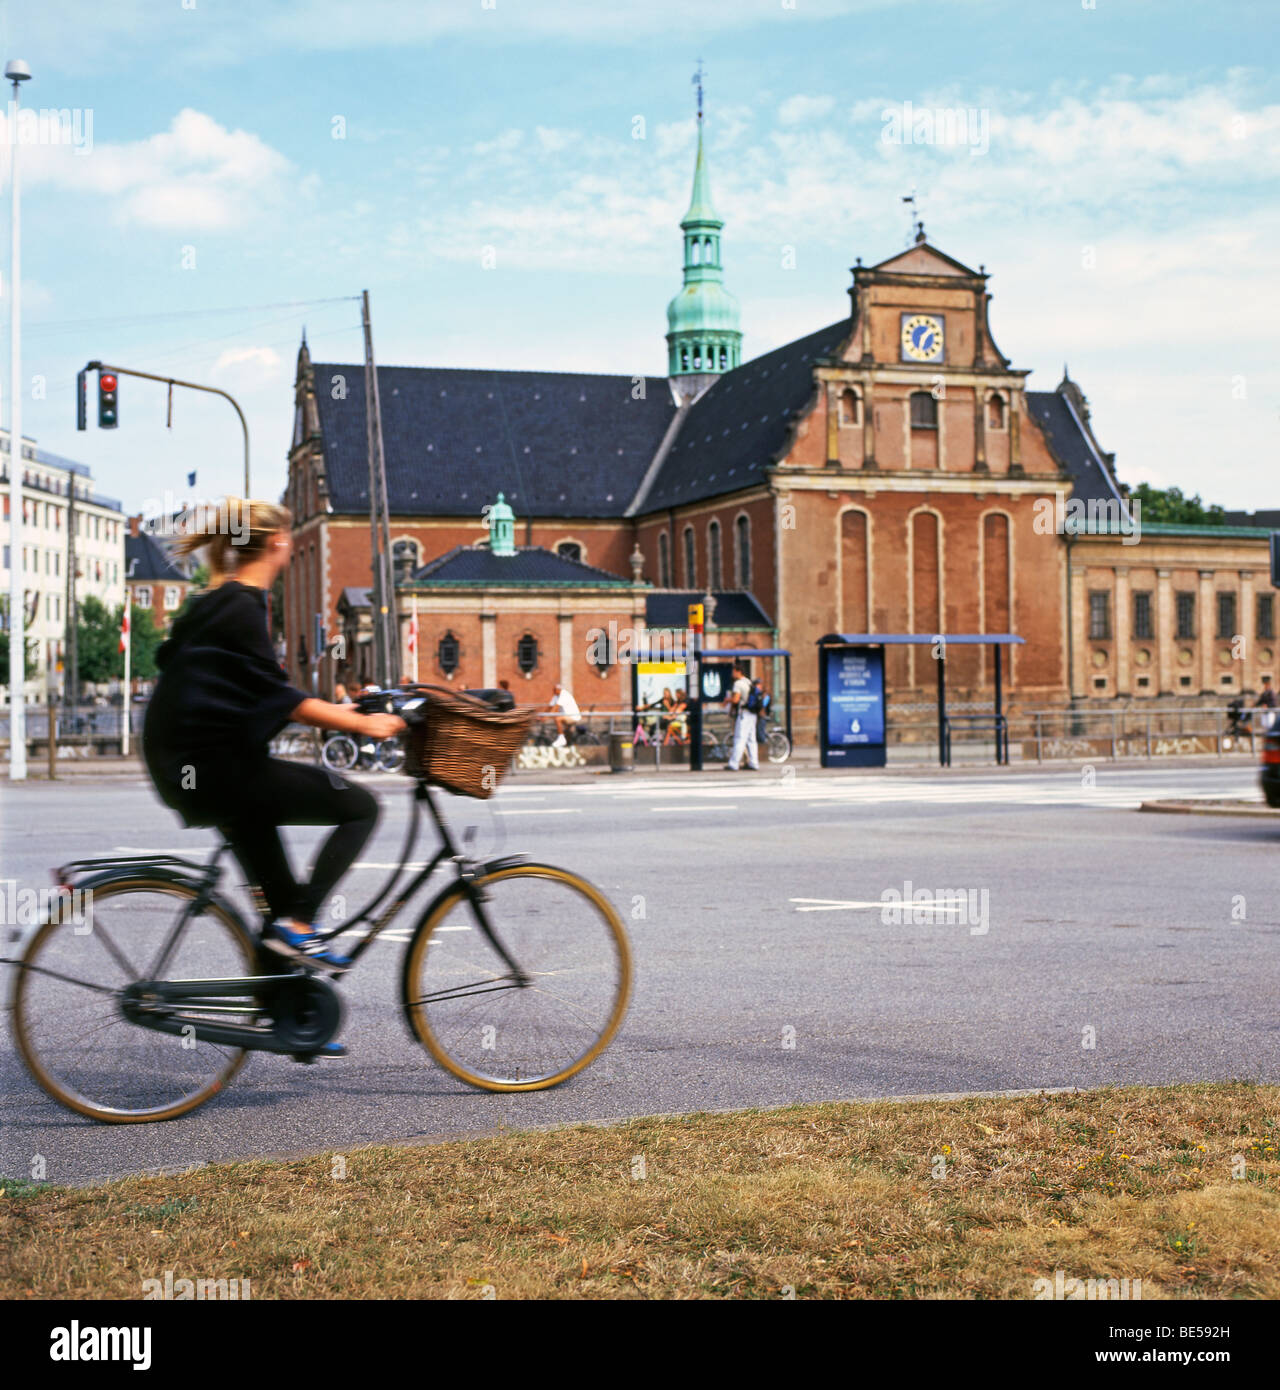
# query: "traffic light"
{"type": "Point", "coordinates": [82, 399]}
{"type": "Point", "coordinates": [108, 415]}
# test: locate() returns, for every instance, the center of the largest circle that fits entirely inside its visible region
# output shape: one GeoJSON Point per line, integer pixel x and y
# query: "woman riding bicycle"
{"type": "Point", "coordinates": [220, 699]}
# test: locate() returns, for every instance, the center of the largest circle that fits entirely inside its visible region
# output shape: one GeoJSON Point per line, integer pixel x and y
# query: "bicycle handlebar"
{"type": "Point", "coordinates": [410, 702]}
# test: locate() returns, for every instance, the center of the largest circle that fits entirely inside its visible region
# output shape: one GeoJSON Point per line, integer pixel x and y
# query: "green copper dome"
{"type": "Point", "coordinates": [703, 336]}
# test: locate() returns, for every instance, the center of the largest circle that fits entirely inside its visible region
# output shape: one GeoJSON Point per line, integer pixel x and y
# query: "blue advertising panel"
{"type": "Point", "coordinates": [853, 706]}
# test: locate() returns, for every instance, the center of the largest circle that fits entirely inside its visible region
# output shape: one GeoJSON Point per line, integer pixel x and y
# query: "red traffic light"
{"type": "Point", "coordinates": [107, 382]}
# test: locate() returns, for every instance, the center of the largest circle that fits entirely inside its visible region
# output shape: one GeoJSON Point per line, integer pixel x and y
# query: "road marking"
{"type": "Point", "coordinates": [543, 811]}
{"type": "Point", "coordinates": [683, 809]}
{"type": "Point", "coordinates": [369, 864]}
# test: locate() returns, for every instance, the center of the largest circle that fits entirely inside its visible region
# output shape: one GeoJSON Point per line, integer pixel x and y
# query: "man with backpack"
{"type": "Point", "coordinates": [745, 702]}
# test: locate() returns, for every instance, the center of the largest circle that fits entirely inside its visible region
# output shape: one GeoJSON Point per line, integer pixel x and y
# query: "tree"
{"type": "Point", "coordinates": [98, 641]}
{"type": "Point", "coordinates": [1168, 506]}
{"type": "Point", "coordinates": [32, 667]}
{"type": "Point", "coordinates": [144, 640]}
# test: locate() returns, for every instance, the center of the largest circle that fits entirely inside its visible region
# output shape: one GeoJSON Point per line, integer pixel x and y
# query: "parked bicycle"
{"type": "Point", "coordinates": [145, 1004]}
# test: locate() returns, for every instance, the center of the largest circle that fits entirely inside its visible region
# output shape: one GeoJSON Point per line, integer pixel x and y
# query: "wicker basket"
{"type": "Point", "coordinates": [464, 744]}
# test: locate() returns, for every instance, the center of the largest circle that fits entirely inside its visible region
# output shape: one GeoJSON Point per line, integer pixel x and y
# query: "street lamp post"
{"type": "Point", "coordinates": [17, 72]}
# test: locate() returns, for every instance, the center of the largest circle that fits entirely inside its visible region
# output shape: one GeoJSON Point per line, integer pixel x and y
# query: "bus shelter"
{"type": "Point", "coordinates": [852, 726]}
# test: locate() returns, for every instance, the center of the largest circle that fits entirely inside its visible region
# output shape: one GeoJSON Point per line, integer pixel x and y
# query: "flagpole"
{"type": "Point", "coordinates": [415, 639]}
{"type": "Point", "coordinates": [126, 641]}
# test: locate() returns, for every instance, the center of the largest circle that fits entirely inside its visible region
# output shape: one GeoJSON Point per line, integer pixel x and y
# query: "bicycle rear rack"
{"type": "Point", "coordinates": [78, 868]}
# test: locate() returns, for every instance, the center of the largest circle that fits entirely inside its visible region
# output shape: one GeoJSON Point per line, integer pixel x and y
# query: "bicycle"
{"type": "Point", "coordinates": [342, 753]}
{"type": "Point", "coordinates": [545, 734]}
{"type": "Point", "coordinates": [501, 941]}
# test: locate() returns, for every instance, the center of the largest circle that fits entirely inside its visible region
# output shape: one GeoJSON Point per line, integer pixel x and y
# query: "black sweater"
{"type": "Point", "coordinates": [220, 699]}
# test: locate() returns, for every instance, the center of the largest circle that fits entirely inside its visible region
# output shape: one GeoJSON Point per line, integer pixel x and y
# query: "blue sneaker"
{"type": "Point", "coordinates": [304, 947]}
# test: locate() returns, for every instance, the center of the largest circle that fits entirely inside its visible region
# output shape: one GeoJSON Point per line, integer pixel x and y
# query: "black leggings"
{"type": "Point", "coordinates": [291, 794]}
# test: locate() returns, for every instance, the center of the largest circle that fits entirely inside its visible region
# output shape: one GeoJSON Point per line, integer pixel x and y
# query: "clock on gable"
{"type": "Point", "coordinates": [922, 337]}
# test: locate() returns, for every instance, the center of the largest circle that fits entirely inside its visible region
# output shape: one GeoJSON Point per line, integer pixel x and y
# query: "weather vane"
{"type": "Point", "coordinates": [697, 82]}
{"type": "Point", "coordinates": [917, 220]}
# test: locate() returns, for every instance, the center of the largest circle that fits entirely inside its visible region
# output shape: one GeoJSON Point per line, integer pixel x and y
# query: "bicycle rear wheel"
{"type": "Point", "coordinates": [69, 1002]}
{"type": "Point", "coordinates": [390, 755]}
{"type": "Point", "coordinates": [489, 1028]}
{"type": "Point", "coordinates": [777, 746]}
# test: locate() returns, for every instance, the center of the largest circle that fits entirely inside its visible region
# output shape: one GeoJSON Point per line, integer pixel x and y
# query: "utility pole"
{"type": "Point", "coordinates": [71, 670]}
{"type": "Point", "coordinates": [386, 627]}
{"type": "Point", "coordinates": [17, 72]}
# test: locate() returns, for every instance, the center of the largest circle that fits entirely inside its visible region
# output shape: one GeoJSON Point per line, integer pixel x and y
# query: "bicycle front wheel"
{"type": "Point", "coordinates": [390, 755]}
{"type": "Point", "coordinates": [70, 1003]}
{"type": "Point", "coordinates": [777, 747]}
{"type": "Point", "coordinates": [500, 1030]}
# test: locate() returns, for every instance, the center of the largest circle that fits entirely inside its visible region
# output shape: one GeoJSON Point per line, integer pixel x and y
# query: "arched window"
{"type": "Point", "coordinates": [995, 412]}
{"type": "Point", "coordinates": [849, 408]}
{"type": "Point", "coordinates": [664, 560]}
{"type": "Point", "coordinates": [569, 550]}
{"type": "Point", "coordinates": [742, 528]}
{"type": "Point", "coordinates": [527, 654]}
{"type": "Point", "coordinates": [695, 251]}
{"type": "Point", "coordinates": [924, 411]}
{"type": "Point", "coordinates": [448, 653]}
{"type": "Point", "coordinates": [690, 563]}
{"type": "Point", "coordinates": [715, 580]}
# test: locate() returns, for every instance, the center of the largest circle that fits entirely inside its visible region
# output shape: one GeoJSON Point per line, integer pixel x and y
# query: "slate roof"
{"type": "Point", "coordinates": [739, 427]}
{"type": "Point", "coordinates": [556, 443]}
{"type": "Point", "coordinates": [670, 609]}
{"type": "Point", "coordinates": [1268, 517]}
{"type": "Point", "coordinates": [532, 565]}
{"type": "Point", "coordinates": [1069, 441]}
{"type": "Point", "coordinates": [145, 558]}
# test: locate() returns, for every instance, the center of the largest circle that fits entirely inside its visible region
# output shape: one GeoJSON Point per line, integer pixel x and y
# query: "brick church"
{"type": "Point", "coordinates": [887, 472]}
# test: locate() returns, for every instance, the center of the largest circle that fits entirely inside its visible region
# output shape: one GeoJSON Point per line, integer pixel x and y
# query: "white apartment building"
{"type": "Point", "coordinates": [47, 482]}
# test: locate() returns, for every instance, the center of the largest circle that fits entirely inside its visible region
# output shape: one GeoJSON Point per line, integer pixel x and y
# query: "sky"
{"type": "Point", "coordinates": [506, 179]}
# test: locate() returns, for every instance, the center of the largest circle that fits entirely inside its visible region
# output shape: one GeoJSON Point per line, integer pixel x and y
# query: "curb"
{"type": "Point", "coordinates": [1192, 808]}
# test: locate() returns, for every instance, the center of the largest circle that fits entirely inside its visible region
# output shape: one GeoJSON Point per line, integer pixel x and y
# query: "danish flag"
{"type": "Point", "coordinates": [124, 628]}
{"type": "Point", "coordinates": [413, 633]}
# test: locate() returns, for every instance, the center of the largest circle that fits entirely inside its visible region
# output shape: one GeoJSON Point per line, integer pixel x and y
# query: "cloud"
{"type": "Point", "coordinates": [195, 176]}
{"type": "Point", "coordinates": [800, 109]}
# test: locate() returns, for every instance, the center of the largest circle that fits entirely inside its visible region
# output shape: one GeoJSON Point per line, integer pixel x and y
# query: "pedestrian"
{"type": "Point", "coordinates": [742, 706]}
{"type": "Point", "coordinates": [567, 715]}
{"type": "Point", "coordinates": [763, 700]}
{"type": "Point", "coordinates": [1266, 700]}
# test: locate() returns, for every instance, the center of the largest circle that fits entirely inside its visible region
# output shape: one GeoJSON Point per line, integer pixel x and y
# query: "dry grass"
{"type": "Point", "coordinates": [937, 1199]}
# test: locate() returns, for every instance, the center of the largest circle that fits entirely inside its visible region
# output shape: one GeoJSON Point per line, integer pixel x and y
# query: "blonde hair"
{"type": "Point", "coordinates": [230, 532]}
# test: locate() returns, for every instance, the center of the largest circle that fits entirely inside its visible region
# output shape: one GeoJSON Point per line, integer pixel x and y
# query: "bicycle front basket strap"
{"type": "Point", "coordinates": [463, 744]}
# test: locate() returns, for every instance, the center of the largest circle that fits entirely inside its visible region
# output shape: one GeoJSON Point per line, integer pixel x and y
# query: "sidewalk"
{"type": "Point", "coordinates": [912, 760]}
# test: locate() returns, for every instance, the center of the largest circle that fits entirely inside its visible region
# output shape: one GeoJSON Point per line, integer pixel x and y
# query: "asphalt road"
{"type": "Point", "coordinates": [765, 971]}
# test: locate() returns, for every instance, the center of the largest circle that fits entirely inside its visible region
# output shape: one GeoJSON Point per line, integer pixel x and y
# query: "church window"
{"type": "Point", "coordinates": [848, 407]}
{"type": "Point", "coordinates": [995, 412]}
{"type": "Point", "coordinates": [448, 653]}
{"type": "Point", "coordinates": [569, 550]}
{"type": "Point", "coordinates": [684, 359]}
{"type": "Point", "coordinates": [743, 529]}
{"type": "Point", "coordinates": [695, 250]}
{"type": "Point", "coordinates": [527, 654]}
{"type": "Point", "coordinates": [924, 411]}
{"type": "Point", "coordinates": [1100, 615]}
{"type": "Point", "coordinates": [664, 560]}
{"type": "Point", "coordinates": [690, 566]}
{"type": "Point", "coordinates": [715, 579]}
{"type": "Point", "coordinates": [1266, 606]}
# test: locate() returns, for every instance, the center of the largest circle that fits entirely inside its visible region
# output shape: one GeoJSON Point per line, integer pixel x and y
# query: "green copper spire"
{"type": "Point", "coordinates": [703, 337]}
